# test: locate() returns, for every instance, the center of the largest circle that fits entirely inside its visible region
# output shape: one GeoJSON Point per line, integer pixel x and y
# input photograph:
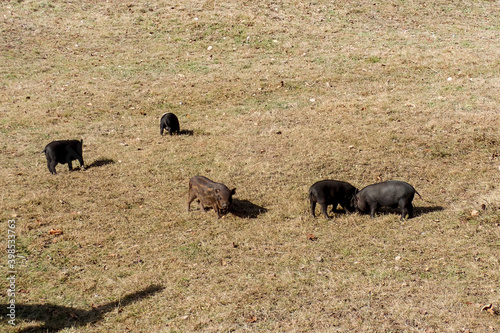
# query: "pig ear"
{"type": "Point", "coordinates": [233, 191]}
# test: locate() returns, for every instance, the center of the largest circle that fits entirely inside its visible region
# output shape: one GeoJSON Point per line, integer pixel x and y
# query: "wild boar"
{"type": "Point", "coordinates": [210, 194]}
{"type": "Point", "coordinates": [64, 152]}
{"type": "Point", "coordinates": [332, 192]}
{"type": "Point", "coordinates": [392, 193]}
{"type": "Point", "coordinates": [170, 122]}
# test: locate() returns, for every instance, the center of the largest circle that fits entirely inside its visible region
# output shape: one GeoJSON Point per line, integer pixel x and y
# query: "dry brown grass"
{"type": "Point", "coordinates": [277, 95]}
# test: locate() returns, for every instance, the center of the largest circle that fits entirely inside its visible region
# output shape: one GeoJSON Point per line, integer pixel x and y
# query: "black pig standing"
{"type": "Point", "coordinates": [170, 122]}
{"type": "Point", "coordinates": [64, 152]}
{"type": "Point", "coordinates": [392, 193]}
{"type": "Point", "coordinates": [210, 194]}
{"type": "Point", "coordinates": [332, 192]}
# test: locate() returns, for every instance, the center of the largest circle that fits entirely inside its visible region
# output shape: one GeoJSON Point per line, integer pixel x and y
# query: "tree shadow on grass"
{"type": "Point", "coordinates": [246, 209]}
{"type": "Point", "coordinates": [57, 317]}
{"type": "Point", "coordinates": [100, 163]}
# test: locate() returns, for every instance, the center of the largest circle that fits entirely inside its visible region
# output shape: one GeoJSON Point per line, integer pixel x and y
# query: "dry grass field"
{"type": "Point", "coordinates": [272, 96]}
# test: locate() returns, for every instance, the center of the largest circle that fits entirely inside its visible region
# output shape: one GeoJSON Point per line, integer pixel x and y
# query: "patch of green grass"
{"type": "Point", "coordinates": [191, 250]}
{"type": "Point", "coordinates": [374, 59]}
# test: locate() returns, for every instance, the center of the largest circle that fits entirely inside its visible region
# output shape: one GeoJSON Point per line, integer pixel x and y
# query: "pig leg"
{"type": "Point", "coordinates": [217, 210]}
{"type": "Point", "coordinates": [70, 155]}
{"type": "Point", "coordinates": [52, 166]}
{"type": "Point", "coordinates": [324, 209]}
{"type": "Point", "coordinates": [191, 198]}
{"type": "Point", "coordinates": [410, 210]}
{"type": "Point", "coordinates": [80, 160]}
{"type": "Point", "coordinates": [403, 213]}
{"type": "Point", "coordinates": [313, 206]}
{"type": "Point", "coordinates": [407, 210]}
{"type": "Point", "coordinates": [373, 210]}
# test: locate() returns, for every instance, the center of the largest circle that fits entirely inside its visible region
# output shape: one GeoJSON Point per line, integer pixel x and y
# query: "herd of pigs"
{"type": "Point", "coordinates": [209, 194]}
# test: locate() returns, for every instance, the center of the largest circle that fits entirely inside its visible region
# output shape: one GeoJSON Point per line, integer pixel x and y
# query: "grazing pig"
{"type": "Point", "coordinates": [64, 151]}
{"type": "Point", "coordinates": [332, 192]}
{"type": "Point", "coordinates": [392, 193]}
{"type": "Point", "coordinates": [170, 122]}
{"type": "Point", "coordinates": [210, 194]}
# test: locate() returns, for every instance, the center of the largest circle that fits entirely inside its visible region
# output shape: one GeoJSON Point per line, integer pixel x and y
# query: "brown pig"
{"type": "Point", "coordinates": [210, 194]}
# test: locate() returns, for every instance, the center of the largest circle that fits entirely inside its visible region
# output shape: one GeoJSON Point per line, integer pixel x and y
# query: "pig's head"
{"type": "Point", "coordinates": [224, 199]}
{"type": "Point", "coordinates": [351, 202]}
{"type": "Point", "coordinates": [360, 203]}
